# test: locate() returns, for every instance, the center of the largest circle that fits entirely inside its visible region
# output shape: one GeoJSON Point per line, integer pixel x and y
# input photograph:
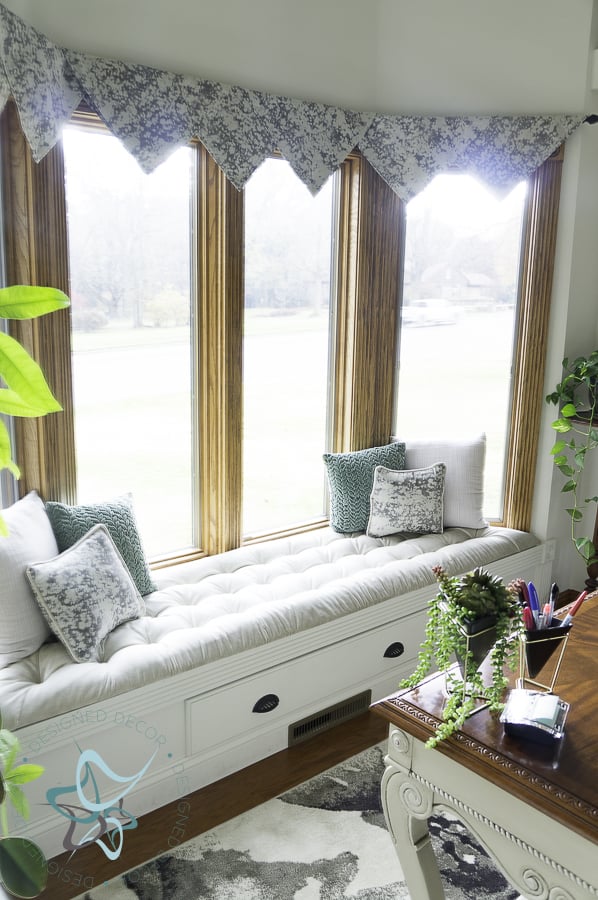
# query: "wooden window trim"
{"type": "Point", "coordinates": [36, 253]}
{"type": "Point", "coordinates": [535, 291]}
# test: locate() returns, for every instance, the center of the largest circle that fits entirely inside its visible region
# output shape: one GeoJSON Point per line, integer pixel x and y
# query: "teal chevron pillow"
{"type": "Point", "coordinates": [351, 477]}
{"type": "Point", "coordinates": [70, 523]}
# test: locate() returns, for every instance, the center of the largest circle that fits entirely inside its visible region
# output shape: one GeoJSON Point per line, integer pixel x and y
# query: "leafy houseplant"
{"type": "Point", "coordinates": [466, 608]}
{"type": "Point", "coordinates": [23, 866]}
{"type": "Point", "coordinates": [26, 392]}
{"type": "Point", "coordinates": [577, 397]}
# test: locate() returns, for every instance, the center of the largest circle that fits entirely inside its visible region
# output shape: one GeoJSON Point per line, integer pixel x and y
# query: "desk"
{"type": "Point", "coordinates": [535, 813]}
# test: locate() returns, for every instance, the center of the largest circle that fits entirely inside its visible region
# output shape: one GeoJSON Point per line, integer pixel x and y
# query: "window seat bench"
{"type": "Point", "coordinates": [235, 655]}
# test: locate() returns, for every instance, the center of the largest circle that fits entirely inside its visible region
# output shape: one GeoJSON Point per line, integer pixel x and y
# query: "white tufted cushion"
{"type": "Point", "coordinates": [225, 604]}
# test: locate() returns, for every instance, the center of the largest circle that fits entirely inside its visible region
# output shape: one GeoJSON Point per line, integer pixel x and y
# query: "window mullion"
{"type": "Point", "coordinates": [220, 278]}
{"type": "Point", "coordinates": [369, 260]}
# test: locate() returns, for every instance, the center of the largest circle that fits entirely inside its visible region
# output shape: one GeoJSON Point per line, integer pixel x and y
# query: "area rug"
{"type": "Point", "coordinates": [324, 840]}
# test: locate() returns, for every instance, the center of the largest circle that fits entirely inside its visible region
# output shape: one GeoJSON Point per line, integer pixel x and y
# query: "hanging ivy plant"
{"type": "Point", "coordinates": [577, 397]}
{"type": "Point", "coordinates": [475, 602]}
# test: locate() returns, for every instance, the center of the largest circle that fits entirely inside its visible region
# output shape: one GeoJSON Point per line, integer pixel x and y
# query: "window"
{"type": "Point", "coordinates": [368, 224]}
{"type": "Point", "coordinates": [132, 362]}
{"type": "Point", "coordinates": [285, 349]}
{"type": "Point", "coordinates": [457, 343]}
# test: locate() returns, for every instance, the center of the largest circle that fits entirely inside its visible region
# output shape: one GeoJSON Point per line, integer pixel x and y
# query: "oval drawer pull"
{"type": "Point", "coordinates": [266, 703]}
{"type": "Point", "coordinates": [394, 650]}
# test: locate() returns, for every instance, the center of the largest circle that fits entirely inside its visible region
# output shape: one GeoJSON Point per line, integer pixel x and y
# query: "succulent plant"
{"type": "Point", "coordinates": [479, 592]}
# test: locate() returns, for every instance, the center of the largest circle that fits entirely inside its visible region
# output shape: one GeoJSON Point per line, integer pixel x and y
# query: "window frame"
{"type": "Point", "coordinates": [367, 287]}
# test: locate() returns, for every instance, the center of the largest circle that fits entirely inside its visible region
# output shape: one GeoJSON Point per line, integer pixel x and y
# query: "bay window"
{"type": "Point", "coordinates": [218, 351]}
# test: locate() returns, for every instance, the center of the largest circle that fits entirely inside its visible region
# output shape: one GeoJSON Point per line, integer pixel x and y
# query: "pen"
{"type": "Point", "coordinates": [534, 603]}
{"type": "Point", "coordinates": [554, 595]}
{"type": "Point", "coordinates": [569, 617]}
{"type": "Point", "coordinates": [546, 617]}
{"type": "Point", "coordinates": [528, 619]}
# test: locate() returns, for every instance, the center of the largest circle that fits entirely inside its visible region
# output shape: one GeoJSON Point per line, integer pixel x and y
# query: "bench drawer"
{"type": "Point", "coordinates": [302, 684]}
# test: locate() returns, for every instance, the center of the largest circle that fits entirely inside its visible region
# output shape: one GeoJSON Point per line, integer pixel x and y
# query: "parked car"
{"type": "Point", "coordinates": [433, 311]}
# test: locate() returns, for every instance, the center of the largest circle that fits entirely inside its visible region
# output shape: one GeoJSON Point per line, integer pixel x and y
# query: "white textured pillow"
{"type": "Point", "coordinates": [85, 593]}
{"type": "Point", "coordinates": [408, 500]}
{"type": "Point", "coordinates": [23, 629]}
{"type": "Point", "coordinates": [464, 479]}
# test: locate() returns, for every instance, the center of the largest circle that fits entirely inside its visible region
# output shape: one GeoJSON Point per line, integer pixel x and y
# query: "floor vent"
{"type": "Point", "coordinates": [328, 718]}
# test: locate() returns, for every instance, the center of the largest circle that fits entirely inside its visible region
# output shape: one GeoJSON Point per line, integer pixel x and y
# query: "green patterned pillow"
{"type": "Point", "coordinates": [70, 523]}
{"type": "Point", "coordinates": [351, 477]}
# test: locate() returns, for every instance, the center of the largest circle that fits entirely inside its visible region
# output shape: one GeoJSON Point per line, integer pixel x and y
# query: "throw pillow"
{"type": "Point", "coordinates": [410, 500]}
{"type": "Point", "coordinates": [351, 476]}
{"type": "Point", "coordinates": [23, 629]}
{"type": "Point", "coordinates": [70, 523]}
{"type": "Point", "coordinates": [85, 593]}
{"type": "Point", "coordinates": [464, 480]}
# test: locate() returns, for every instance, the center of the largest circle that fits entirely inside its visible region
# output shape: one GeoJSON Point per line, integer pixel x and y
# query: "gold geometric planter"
{"type": "Point", "coordinates": [542, 651]}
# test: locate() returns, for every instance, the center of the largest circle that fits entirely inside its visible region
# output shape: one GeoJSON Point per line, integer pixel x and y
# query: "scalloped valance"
{"type": "Point", "coordinates": [152, 112]}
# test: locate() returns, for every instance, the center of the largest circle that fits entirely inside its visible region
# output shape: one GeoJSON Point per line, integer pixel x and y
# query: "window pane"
{"type": "Point", "coordinates": [286, 348]}
{"type": "Point", "coordinates": [458, 317]}
{"type": "Point", "coordinates": [132, 371]}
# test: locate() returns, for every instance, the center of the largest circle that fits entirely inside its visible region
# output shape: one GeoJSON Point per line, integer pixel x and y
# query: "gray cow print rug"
{"type": "Point", "coordinates": [324, 840]}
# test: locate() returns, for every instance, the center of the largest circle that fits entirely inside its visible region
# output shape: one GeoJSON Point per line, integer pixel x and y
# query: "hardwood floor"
{"type": "Point", "coordinates": [184, 818]}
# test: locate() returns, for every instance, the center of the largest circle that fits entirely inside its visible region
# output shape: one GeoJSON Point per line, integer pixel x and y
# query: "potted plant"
{"type": "Point", "coordinates": [472, 617]}
{"type": "Point", "coordinates": [26, 392]}
{"type": "Point", "coordinates": [577, 425]}
{"type": "Point", "coordinates": [23, 866]}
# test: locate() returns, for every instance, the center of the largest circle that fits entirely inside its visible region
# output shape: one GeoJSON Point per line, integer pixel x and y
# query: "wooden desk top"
{"type": "Point", "coordinates": [563, 785]}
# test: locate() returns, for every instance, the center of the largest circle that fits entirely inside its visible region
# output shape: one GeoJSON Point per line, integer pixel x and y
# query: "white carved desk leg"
{"type": "Point", "coordinates": [407, 806]}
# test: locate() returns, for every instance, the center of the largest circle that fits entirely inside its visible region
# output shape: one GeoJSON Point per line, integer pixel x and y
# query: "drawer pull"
{"type": "Point", "coordinates": [266, 703]}
{"type": "Point", "coordinates": [394, 650]}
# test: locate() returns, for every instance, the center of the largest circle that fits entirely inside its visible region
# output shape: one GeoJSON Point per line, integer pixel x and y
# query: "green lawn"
{"type": "Point", "coordinates": [133, 427]}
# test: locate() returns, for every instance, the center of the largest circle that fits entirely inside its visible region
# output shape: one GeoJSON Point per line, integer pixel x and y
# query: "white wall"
{"type": "Point", "coordinates": [424, 56]}
{"type": "Point", "coordinates": [573, 332]}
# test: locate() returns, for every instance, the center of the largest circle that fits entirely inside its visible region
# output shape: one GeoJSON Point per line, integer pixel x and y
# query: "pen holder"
{"type": "Point", "coordinates": [537, 648]}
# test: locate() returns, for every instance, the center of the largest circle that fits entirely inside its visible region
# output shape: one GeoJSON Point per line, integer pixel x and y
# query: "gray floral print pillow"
{"type": "Point", "coordinates": [85, 593]}
{"type": "Point", "coordinates": [407, 500]}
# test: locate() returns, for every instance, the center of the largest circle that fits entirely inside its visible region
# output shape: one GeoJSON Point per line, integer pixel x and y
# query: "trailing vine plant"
{"type": "Point", "coordinates": [459, 603]}
{"type": "Point", "coordinates": [577, 397]}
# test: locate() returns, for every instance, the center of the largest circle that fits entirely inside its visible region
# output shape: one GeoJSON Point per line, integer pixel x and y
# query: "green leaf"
{"type": "Point", "coordinates": [9, 747]}
{"type": "Point", "coordinates": [575, 514]}
{"type": "Point", "coordinates": [562, 425]}
{"type": "Point", "coordinates": [580, 457]}
{"type": "Point", "coordinates": [568, 471]}
{"type": "Point", "coordinates": [18, 799]}
{"type": "Point", "coordinates": [558, 447]}
{"type": "Point", "coordinates": [24, 301]}
{"type": "Point", "coordinates": [568, 410]}
{"type": "Point", "coordinates": [6, 461]}
{"type": "Point", "coordinates": [23, 774]}
{"type": "Point", "coordinates": [23, 375]}
{"type": "Point", "coordinates": [593, 499]}
{"type": "Point", "coordinates": [12, 404]}
{"type": "Point", "coordinates": [585, 548]}
{"type": "Point", "coordinates": [23, 867]}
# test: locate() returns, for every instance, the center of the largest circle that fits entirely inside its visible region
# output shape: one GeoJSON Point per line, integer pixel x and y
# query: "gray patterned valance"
{"type": "Point", "coordinates": [152, 112]}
